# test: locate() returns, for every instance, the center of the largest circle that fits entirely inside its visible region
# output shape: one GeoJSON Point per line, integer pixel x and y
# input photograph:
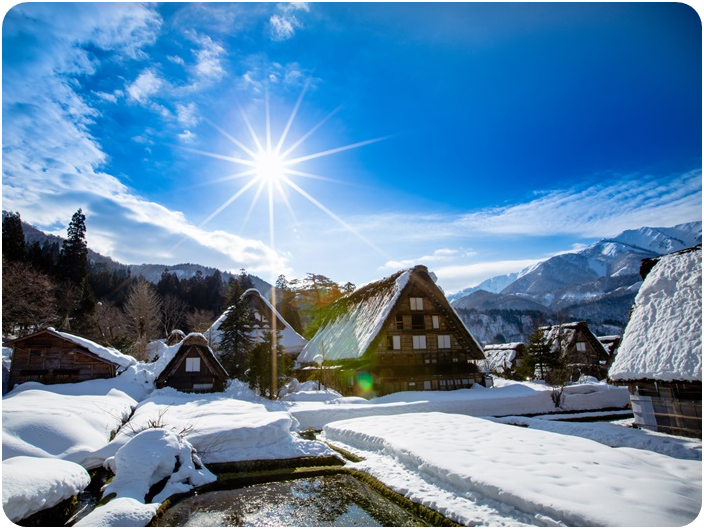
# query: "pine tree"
{"type": "Point", "coordinates": [235, 340]}
{"type": "Point", "coordinates": [13, 242]}
{"type": "Point", "coordinates": [73, 261]}
{"type": "Point", "coordinates": [539, 359]}
{"type": "Point", "coordinates": [260, 375]}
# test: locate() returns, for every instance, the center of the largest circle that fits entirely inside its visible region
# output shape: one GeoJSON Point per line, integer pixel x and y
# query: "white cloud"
{"type": "Point", "coordinates": [283, 26]}
{"type": "Point", "coordinates": [175, 59]}
{"type": "Point", "coordinates": [187, 136]}
{"type": "Point", "coordinates": [441, 255]}
{"type": "Point", "coordinates": [147, 84]}
{"type": "Point", "coordinates": [456, 277]}
{"type": "Point", "coordinates": [187, 114]}
{"type": "Point", "coordinates": [209, 58]}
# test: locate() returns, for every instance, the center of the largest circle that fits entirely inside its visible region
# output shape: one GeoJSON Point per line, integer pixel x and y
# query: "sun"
{"type": "Point", "coordinates": [269, 166]}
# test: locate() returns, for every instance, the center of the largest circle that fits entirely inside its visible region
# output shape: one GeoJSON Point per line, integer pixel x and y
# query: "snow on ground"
{"type": "Point", "coordinates": [121, 512]}
{"type": "Point", "coordinates": [32, 484]}
{"type": "Point", "coordinates": [479, 472]}
{"type": "Point", "coordinates": [506, 398]}
{"type": "Point", "coordinates": [616, 435]}
{"type": "Point", "coordinates": [48, 423]}
{"type": "Point", "coordinates": [149, 457]}
{"type": "Point", "coordinates": [221, 428]}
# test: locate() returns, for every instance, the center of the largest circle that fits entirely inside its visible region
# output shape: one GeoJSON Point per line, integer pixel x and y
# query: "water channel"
{"type": "Point", "coordinates": [326, 501]}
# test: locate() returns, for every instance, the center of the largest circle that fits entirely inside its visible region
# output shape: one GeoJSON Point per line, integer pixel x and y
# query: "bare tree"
{"type": "Point", "coordinates": [28, 299]}
{"type": "Point", "coordinates": [110, 323]}
{"type": "Point", "coordinates": [173, 313]}
{"type": "Point", "coordinates": [143, 313]}
{"type": "Point", "coordinates": [200, 320]}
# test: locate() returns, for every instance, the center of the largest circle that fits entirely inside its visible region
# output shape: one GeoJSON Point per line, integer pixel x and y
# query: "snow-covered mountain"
{"type": "Point", "coordinates": [495, 284]}
{"type": "Point", "coordinates": [597, 284]}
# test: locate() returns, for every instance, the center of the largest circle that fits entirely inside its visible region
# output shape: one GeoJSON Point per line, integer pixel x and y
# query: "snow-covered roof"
{"type": "Point", "coordinates": [109, 354]}
{"type": "Point", "coordinates": [169, 353]}
{"type": "Point", "coordinates": [291, 341]}
{"type": "Point", "coordinates": [361, 316]}
{"type": "Point", "coordinates": [356, 319]}
{"type": "Point", "coordinates": [663, 338]}
{"type": "Point", "coordinates": [501, 355]}
{"type": "Point", "coordinates": [561, 337]}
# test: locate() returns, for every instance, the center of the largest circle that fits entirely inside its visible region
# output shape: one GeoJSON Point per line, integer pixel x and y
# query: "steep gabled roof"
{"type": "Point", "coordinates": [355, 320]}
{"type": "Point", "coordinates": [170, 359]}
{"type": "Point", "coordinates": [564, 336]}
{"type": "Point", "coordinates": [663, 337]}
{"type": "Point", "coordinates": [107, 354]}
{"type": "Point", "coordinates": [502, 355]}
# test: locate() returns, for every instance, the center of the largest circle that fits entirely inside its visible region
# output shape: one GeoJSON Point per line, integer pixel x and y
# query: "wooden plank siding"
{"type": "Point", "coordinates": [53, 360]}
{"type": "Point", "coordinates": [179, 374]}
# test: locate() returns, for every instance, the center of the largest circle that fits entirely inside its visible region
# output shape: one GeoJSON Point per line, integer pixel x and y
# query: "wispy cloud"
{"type": "Point", "coordinates": [144, 86]}
{"type": "Point", "coordinates": [438, 256]}
{"type": "Point", "coordinates": [459, 276]}
{"type": "Point", "coordinates": [283, 25]}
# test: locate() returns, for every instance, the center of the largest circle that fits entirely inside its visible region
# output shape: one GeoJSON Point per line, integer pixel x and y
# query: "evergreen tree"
{"type": "Point", "coordinates": [13, 242]}
{"type": "Point", "coordinates": [261, 374]}
{"type": "Point", "coordinates": [236, 340]}
{"type": "Point", "coordinates": [73, 261]}
{"type": "Point", "coordinates": [286, 304]}
{"type": "Point", "coordinates": [539, 359]}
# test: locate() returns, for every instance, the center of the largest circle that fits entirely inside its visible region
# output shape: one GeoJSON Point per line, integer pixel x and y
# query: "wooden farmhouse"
{"type": "Point", "coordinates": [581, 351]}
{"type": "Point", "coordinates": [190, 366]}
{"type": "Point", "coordinates": [502, 358]}
{"type": "Point", "coordinates": [53, 357]}
{"type": "Point", "coordinates": [263, 314]}
{"type": "Point", "coordinates": [397, 334]}
{"type": "Point", "coordinates": [611, 344]}
{"type": "Point", "coordinates": [660, 357]}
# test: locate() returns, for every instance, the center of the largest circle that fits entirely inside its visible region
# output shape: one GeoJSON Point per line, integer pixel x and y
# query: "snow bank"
{"type": "Point", "coordinates": [121, 512]}
{"type": "Point", "coordinates": [535, 476]}
{"type": "Point", "coordinates": [106, 353]}
{"type": "Point", "coordinates": [31, 484]}
{"type": "Point", "coordinates": [44, 423]}
{"type": "Point", "coordinates": [508, 398]}
{"type": "Point", "coordinates": [220, 428]}
{"type": "Point", "coordinates": [151, 456]}
{"type": "Point", "coordinates": [663, 338]}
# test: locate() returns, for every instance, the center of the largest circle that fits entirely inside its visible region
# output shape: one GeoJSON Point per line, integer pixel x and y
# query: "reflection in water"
{"type": "Point", "coordinates": [332, 501]}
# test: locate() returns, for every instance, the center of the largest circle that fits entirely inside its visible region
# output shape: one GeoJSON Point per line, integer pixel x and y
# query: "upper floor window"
{"type": "Point", "coordinates": [399, 322]}
{"type": "Point", "coordinates": [419, 342]}
{"type": "Point", "coordinates": [393, 342]}
{"type": "Point", "coordinates": [436, 322]}
{"type": "Point", "coordinates": [444, 341]}
{"type": "Point", "coordinates": [192, 365]}
{"type": "Point", "coordinates": [417, 321]}
{"type": "Point", "coordinates": [416, 303]}
{"type": "Point", "coordinates": [581, 346]}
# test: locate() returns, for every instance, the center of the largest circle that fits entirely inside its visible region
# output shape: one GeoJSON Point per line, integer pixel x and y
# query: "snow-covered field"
{"type": "Point", "coordinates": [431, 446]}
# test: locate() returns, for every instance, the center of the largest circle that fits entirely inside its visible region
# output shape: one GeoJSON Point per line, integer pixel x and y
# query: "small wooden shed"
{"type": "Point", "coordinates": [502, 358]}
{"type": "Point", "coordinates": [54, 357]}
{"type": "Point", "coordinates": [190, 366]}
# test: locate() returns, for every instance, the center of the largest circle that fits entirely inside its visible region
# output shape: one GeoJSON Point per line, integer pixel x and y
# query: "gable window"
{"type": "Point", "coordinates": [393, 342]}
{"type": "Point", "coordinates": [399, 322]}
{"type": "Point", "coordinates": [417, 321]}
{"type": "Point", "coordinates": [436, 322]}
{"type": "Point", "coordinates": [416, 303]}
{"type": "Point", "coordinates": [192, 365]}
{"type": "Point", "coordinates": [444, 341]}
{"type": "Point", "coordinates": [419, 342]}
{"type": "Point", "coordinates": [581, 346]}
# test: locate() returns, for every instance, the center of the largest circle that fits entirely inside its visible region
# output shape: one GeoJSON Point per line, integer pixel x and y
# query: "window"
{"type": "Point", "coordinates": [444, 341]}
{"type": "Point", "coordinates": [416, 303]}
{"type": "Point", "coordinates": [581, 346]}
{"type": "Point", "coordinates": [426, 384]}
{"type": "Point", "coordinates": [417, 321]}
{"type": "Point", "coordinates": [393, 342]}
{"type": "Point", "coordinates": [192, 365]}
{"type": "Point", "coordinates": [399, 322]}
{"type": "Point", "coordinates": [201, 387]}
{"type": "Point", "coordinates": [436, 322]}
{"type": "Point", "coordinates": [419, 342]}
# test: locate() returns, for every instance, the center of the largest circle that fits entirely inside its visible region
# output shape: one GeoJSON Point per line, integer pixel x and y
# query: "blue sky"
{"type": "Point", "coordinates": [474, 138]}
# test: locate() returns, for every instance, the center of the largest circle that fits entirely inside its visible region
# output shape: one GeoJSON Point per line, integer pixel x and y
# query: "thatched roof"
{"type": "Point", "coordinates": [354, 321]}
{"type": "Point", "coordinates": [663, 337]}
{"type": "Point", "coordinates": [170, 358]}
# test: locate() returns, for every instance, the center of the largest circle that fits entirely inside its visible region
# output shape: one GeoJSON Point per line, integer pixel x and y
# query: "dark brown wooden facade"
{"type": "Point", "coordinates": [193, 368]}
{"type": "Point", "coordinates": [672, 407]}
{"type": "Point", "coordinates": [422, 345]}
{"type": "Point", "coordinates": [581, 351]}
{"type": "Point", "coordinates": [50, 358]}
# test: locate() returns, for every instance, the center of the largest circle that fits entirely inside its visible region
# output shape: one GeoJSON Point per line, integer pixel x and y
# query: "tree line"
{"type": "Point", "coordinates": [53, 284]}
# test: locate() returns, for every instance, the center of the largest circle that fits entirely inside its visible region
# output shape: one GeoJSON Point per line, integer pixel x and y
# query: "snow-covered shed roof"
{"type": "Point", "coordinates": [355, 320]}
{"type": "Point", "coordinates": [562, 337]}
{"type": "Point", "coordinates": [168, 354]}
{"type": "Point", "coordinates": [291, 341]}
{"type": "Point", "coordinates": [663, 337]}
{"type": "Point", "coordinates": [501, 355]}
{"type": "Point", "coordinates": [109, 354]}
